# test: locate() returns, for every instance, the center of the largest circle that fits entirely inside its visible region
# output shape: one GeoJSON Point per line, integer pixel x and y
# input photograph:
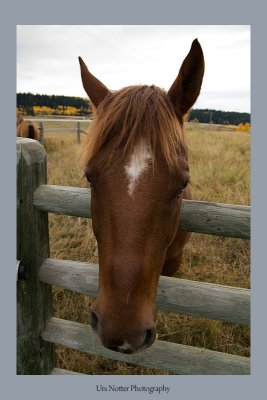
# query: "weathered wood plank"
{"type": "Point", "coordinates": [200, 299]}
{"type": "Point", "coordinates": [196, 216]}
{"type": "Point", "coordinates": [34, 299]}
{"type": "Point", "coordinates": [59, 371]}
{"type": "Point", "coordinates": [176, 358]}
{"type": "Point", "coordinates": [60, 119]}
{"type": "Point", "coordinates": [63, 200]}
{"type": "Point", "coordinates": [215, 219]}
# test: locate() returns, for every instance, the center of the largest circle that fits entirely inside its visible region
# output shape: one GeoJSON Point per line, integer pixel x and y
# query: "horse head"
{"type": "Point", "coordinates": [137, 166]}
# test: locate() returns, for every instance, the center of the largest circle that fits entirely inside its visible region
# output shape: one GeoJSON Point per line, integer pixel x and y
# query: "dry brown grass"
{"type": "Point", "coordinates": [220, 165]}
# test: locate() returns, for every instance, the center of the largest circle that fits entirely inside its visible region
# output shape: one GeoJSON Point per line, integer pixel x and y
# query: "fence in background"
{"type": "Point", "coordinates": [77, 129]}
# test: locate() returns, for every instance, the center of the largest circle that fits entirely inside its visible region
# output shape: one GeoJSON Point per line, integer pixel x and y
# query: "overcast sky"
{"type": "Point", "coordinates": [47, 59]}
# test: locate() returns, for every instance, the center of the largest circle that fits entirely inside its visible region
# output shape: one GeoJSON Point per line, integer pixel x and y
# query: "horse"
{"type": "Point", "coordinates": [136, 164]}
{"type": "Point", "coordinates": [27, 129]}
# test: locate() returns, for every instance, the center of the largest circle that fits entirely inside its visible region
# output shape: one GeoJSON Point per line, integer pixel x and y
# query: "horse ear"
{"type": "Point", "coordinates": [95, 89]}
{"type": "Point", "coordinates": [186, 87]}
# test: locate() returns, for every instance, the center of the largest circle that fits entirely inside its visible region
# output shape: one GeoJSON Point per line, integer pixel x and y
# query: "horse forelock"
{"type": "Point", "coordinates": [137, 120]}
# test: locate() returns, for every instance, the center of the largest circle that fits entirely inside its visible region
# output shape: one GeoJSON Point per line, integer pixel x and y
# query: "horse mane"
{"type": "Point", "coordinates": [136, 118]}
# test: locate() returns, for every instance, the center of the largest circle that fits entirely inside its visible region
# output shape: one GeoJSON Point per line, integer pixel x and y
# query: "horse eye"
{"type": "Point", "coordinates": [181, 189]}
{"type": "Point", "coordinates": [185, 184]}
{"type": "Point", "coordinates": [89, 180]}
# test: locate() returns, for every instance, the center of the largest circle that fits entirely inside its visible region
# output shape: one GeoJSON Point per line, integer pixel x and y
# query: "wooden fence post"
{"type": "Point", "coordinates": [79, 132]}
{"type": "Point", "coordinates": [34, 299]}
{"type": "Point", "coordinates": [41, 128]}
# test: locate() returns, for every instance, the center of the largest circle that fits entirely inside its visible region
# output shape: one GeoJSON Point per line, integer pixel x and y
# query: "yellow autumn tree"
{"type": "Point", "coordinates": [42, 110]}
{"type": "Point", "coordinates": [239, 127]}
{"type": "Point", "coordinates": [243, 128]}
{"type": "Point", "coordinates": [247, 127]}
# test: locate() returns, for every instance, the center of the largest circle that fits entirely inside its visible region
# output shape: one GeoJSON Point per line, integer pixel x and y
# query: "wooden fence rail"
{"type": "Point", "coordinates": [172, 357]}
{"type": "Point", "coordinates": [77, 129]}
{"type": "Point", "coordinates": [38, 330]}
{"type": "Point", "coordinates": [200, 299]}
{"type": "Point", "coordinates": [196, 216]}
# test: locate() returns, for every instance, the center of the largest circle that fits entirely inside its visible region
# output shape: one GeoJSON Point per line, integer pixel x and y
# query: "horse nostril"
{"type": "Point", "coordinates": [150, 336]}
{"type": "Point", "coordinates": [94, 320]}
{"type": "Point", "coordinates": [114, 348]}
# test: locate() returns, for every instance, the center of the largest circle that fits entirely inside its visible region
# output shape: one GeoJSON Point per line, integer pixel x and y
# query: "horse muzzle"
{"type": "Point", "coordinates": [125, 338]}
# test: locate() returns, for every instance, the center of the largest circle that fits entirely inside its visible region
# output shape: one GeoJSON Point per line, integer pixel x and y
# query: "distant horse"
{"type": "Point", "coordinates": [136, 163]}
{"type": "Point", "coordinates": [27, 129]}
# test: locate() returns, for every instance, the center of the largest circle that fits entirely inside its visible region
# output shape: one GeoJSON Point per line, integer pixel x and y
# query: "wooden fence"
{"type": "Point", "coordinates": [38, 330]}
{"type": "Point", "coordinates": [77, 128]}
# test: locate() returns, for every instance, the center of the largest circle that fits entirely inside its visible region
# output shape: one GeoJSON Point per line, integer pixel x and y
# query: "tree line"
{"type": "Point", "coordinates": [30, 104]}
{"type": "Point", "coordinates": [218, 117]}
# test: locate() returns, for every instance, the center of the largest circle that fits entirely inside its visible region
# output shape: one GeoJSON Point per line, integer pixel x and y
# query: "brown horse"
{"type": "Point", "coordinates": [27, 129]}
{"type": "Point", "coordinates": [136, 163]}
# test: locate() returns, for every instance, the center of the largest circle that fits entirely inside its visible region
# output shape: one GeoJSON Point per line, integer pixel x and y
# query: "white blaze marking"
{"type": "Point", "coordinates": [126, 346]}
{"type": "Point", "coordinates": [139, 162]}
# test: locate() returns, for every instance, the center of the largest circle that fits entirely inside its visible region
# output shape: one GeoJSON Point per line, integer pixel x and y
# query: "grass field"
{"type": "Point", "coordinates": [220, 171]}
